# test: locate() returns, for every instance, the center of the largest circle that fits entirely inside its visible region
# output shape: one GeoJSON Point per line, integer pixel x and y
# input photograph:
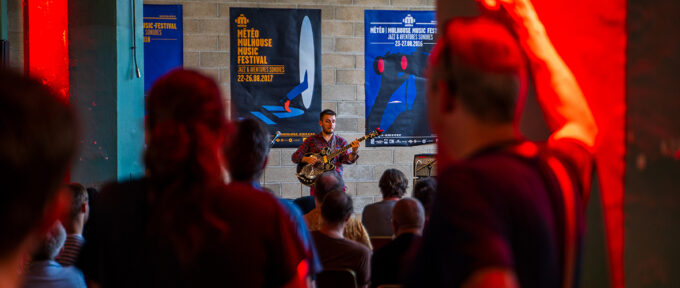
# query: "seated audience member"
{"type": "Point", "coordinates": [305, 203]}
{"type": "Point", "coordinates": [38, 139]}
{"type": "Point", "coordinates": [425, 191]}
{"type": "Point", "coordinates": [389, 263]}
{"type": "Point", "coordinates": [44, 271]}
{"type": "Point", "coordinates": [91, 200]}
{"type": "Point", "coordinates": [74, 223]}
{"type": "Point", "coordinates": [335, 251]}
{"type": "Point", "coordinates": [509, 212]}
{"type": "Point", "coordinates": [377, 217]}
{"type": "Point", "coordinates": [181, 226]}
{"type": "Point", "coordinates": [325, 183]}
{"type": "Point", "coordinates": [247, 157]}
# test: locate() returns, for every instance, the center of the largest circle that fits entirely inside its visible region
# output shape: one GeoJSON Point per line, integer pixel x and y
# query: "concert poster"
{"type": "Point", "coordinates": [163, 50]}
{"type": "Point", "coordinates": [397, 46]}
{"type": "Point", "coordinates": [276, 70]}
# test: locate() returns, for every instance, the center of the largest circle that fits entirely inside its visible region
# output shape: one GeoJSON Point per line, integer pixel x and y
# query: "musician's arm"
{"type": "Point", "coordinates": [301, 151]}
{"type": "Point", "coordinates": [351, 155]}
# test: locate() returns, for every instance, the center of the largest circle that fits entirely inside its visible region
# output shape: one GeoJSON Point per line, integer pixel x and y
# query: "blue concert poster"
{"type": "Point", "coordinates": [276, 70]}
{"type": "Point", "coordinates": [163, 50]}
{"type": "Point", "coordinates": [397, 46]}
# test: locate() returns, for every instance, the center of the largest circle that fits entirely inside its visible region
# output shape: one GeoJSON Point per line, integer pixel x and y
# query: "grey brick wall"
{"type": "Point", "coordinates": [206, 48]}
{"type": "Point", "coordinates": [15, 30]}
{"type": "Point", "coordinates": [343, 91]}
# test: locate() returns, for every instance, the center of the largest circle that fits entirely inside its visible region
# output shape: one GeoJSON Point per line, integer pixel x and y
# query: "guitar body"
{"type": "Point", "coordinates": [307, 173]}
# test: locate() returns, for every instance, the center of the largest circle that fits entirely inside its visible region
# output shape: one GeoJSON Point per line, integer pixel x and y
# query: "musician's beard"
{"type": "Point", "coordinates": [328, 132]}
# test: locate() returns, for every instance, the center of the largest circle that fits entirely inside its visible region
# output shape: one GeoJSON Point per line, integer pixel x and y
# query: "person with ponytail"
{"type": "Point", "coordinates": [180, 225]}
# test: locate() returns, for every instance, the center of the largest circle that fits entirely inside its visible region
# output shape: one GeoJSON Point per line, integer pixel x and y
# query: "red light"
{"type": "Point", "coordinates": [404, 63]}
{"type": "Point", "coordinates": [491, 4]}
{"type": "Point", "coordinates": [381, 66]}
{"type": "Point", "coordinates": [46, 43]}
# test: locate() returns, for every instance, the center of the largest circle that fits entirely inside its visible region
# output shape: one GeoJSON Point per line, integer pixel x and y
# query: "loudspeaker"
{"type": "Point", "coordinates": [424, 165]}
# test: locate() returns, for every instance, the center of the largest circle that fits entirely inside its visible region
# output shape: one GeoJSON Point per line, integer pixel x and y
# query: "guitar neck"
{"type": "Point", "coordinates": [343, 149]}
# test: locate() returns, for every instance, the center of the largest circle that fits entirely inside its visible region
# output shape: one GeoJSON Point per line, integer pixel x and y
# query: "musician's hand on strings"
{"type": "Point", "coordinates": [310, 160]}
{"type": "Point", "coordinates": [355, 146]}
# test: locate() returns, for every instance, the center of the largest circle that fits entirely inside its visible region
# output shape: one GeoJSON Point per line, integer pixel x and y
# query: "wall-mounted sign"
{"type": "Point", "coordinates": [276, 70]}
{"type": "Point", "coordinates": [163, 40]}
{"type": "Point", "coordinates": [398, 44]}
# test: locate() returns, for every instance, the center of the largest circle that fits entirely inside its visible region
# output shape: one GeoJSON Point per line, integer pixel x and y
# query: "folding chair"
{"type": "Point", "coordinates": [342, 278]}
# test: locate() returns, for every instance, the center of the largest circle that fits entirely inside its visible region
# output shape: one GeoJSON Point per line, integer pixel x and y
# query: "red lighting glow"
{"type": "Point", "coordinates": [404, 63]}
{"type": "Point", "coordinates": [600, 33]}
{"type": "Point", "coordinates": [491, 4]}
{"type": "Point", "coordinates": [46, 43]}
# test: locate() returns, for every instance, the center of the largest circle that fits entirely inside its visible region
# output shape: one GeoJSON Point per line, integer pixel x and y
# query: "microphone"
{"type": "Point", "coordinates": [278, 133]}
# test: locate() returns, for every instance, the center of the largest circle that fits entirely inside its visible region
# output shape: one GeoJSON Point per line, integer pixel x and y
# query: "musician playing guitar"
{"type": "Point", "coordinates": [326, 138]}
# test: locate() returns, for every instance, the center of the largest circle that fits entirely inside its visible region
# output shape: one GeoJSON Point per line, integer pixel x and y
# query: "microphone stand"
{"type": "Point", "coordinates": [264, 171]}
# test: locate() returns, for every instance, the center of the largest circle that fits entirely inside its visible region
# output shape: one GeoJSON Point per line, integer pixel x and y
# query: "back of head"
{"type": "Point", "coordinates": [80, 196]}
{"type": "Point", "coordinates": [51, 243]}
{"type": "Point", "coordinates": [248, 150]}
{"type": "Point", "coordinates": [408, 213]}
{"type": "Point", "coordinates": [185, 123]}
{"type": "Point", "coordinates": [336, 207]}
{"type": "Point", "coordinates": [327, 182]}
{"type": "Point", "coordinates": [483, 65]}
{"type": "Point", "coordinates": [38, 139]}
{"type": "Point", "coordinates": [425, 191]}
{"type": "Point", "coordinates": [393, 183]}
{"type": "Point", "coordinates": [185, 132]}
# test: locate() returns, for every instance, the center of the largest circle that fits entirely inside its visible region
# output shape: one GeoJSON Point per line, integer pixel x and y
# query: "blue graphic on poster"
{"type": "Point", "coordinates": [276, 70]}
{"type": "Point", "coordinates": [397, 46]}
{"type": "Point", "coordinates": [163, 50]}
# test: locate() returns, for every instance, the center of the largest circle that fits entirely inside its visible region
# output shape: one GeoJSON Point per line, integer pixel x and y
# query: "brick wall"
{"type": "Point", "coordinates": [15, 30]}
{"type": "Point", "coordinates": [206, 45]}
{"type": "Point", "coordinates": [206, 48]}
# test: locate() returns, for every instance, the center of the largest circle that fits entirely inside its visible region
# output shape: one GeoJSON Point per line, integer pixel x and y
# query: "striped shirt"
{"type": "Point", "coordinates": [71, 249]}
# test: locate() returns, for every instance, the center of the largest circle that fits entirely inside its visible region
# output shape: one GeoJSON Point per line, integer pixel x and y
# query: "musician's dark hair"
{"type": "Point", "coordinates": [482, 69]}
{"type": "Point", "coordinates": [328, 182]}
{"type": "Point", "coordinates": [186, 125]}
{"type": "Point", "coordinates": [38, 139]}
{"type": "Point", "coordinates": [393, 183]}
{"type": "Point", "coordinates": [248, 150]}
{"type": "Point", "coordinates": [326, 112]}
{"type": "Point", "coordinates": [336, 207]}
